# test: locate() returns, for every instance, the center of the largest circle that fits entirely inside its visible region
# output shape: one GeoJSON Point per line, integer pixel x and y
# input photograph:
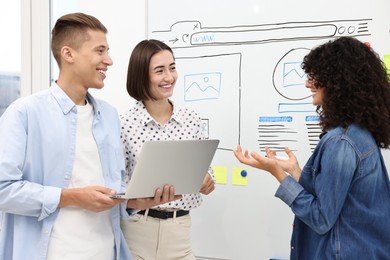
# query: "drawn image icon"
{"type": "Point", "coordinates": [293, 75]}
{"type": "Point", "coordinates": [288, 77]}
{"type": "Point", "coordinates": [202, 86]}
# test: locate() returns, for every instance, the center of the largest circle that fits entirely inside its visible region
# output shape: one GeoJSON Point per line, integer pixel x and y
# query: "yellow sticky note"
{"type": "Point", "coordinates": [219, 174]}
{"type": "Point", "coordinates": [386, 60]}
{"type": "Point", "coordinates": [239, 176]}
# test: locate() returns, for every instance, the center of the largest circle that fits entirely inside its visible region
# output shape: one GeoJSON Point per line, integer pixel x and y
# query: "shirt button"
{"type": "Point", "coordinates": [292, 248]}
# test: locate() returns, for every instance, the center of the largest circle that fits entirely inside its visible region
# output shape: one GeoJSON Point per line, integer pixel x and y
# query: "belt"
{"type": "Point", "coordinates": [164, 214]}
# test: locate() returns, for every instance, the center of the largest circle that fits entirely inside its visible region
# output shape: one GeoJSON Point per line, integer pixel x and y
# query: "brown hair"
{"type": "Point", "coordinates": [138, 80]}
{"type": "Point", "coordinates": [71, 30]}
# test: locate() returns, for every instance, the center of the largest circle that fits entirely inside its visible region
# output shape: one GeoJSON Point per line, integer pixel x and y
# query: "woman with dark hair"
{"type": "Point", "coordinates": [161, 232]}
{"type": "Point", "coordinates": [341, 198]}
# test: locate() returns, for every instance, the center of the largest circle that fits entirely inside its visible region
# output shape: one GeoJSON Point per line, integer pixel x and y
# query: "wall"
{"type": "Point", "coordinates": [251, 98]}
{"type": "Point", "coordinates": [239, 68]}
{"type": "Point", "coordinates": [126, 24]}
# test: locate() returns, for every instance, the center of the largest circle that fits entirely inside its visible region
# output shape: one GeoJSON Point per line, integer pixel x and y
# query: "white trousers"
{"type": "Point", "coordinates": [158, 239]}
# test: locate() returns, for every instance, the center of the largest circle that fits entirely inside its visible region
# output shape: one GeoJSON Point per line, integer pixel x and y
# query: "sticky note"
{"type": "Point", "coordinates": [220, 174]}
{"type": "Point", "coordinates": [239, 176]}
{"type": "Point", "coordinates": [386, 60]}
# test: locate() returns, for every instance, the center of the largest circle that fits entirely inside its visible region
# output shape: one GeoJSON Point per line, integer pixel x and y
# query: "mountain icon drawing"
{"type": "Point", "coordinates": [202, 86]}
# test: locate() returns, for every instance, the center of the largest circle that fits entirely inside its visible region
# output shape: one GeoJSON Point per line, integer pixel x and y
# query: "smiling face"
{"type": "Point", "coordinates": [162, 75]}
{"type": "Point", "coordinates": [317, 92]}
{"type": "Point", "coordinates": [91, 60]}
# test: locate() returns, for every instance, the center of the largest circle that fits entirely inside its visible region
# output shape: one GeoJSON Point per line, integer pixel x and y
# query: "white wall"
{"type": "Point", "coordinates": [10, 29]}
{"type": "Point", "coordinates": [126, 24]}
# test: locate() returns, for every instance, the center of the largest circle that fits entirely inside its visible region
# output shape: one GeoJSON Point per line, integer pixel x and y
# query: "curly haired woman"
{"type": "Point", "coordinates": [341, 197]}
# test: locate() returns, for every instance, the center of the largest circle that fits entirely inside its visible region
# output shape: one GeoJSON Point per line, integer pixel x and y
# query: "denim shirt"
{"type": "Point", "coordinates": [37, 149]}
{"type": "Point", "coordinates": [342, 201]}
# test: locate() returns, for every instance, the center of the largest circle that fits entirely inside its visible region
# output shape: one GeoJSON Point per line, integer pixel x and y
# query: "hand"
{"type": "Point", "coordinates": [161, 196]}
{"type": "Point", "coordinates": [208, 185]}
{"type": "Point", "coordinates": [289, 165]}
{"type": "Point", "coordinates": [93, 198]}
{"type": "Point", "coordinates": [263, 163]}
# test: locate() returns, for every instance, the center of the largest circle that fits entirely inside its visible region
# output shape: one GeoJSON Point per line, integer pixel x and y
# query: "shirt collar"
{"type": "Point", "coordinates": [175, 113]}
{"type": "Point", "coordinates": [146, 118]}
{"type": "Point", "coordinates": [66, 104]}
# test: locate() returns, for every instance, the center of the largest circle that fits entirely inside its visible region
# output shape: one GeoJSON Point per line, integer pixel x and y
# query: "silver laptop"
{"type": "Point", "coordinates": [181, 163]}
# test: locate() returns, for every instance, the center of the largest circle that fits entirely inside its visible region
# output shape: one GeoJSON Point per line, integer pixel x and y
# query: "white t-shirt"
{"type": "Point", "coordinates": [79, 233]}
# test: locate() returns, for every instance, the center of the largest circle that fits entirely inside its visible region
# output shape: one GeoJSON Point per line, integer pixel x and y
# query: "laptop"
{"type": "Point", "coordinates": [181, 163]}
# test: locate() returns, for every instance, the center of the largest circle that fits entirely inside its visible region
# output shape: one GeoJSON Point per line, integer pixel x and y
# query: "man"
{"type": "Point", "coordinates": [61, 157]}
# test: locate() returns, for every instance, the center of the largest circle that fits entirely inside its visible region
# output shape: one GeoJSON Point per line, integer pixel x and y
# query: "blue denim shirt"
{"type": "Point", "coordinates": [342, 201]}
{"type": "Point", "coordinates": [37, 149]}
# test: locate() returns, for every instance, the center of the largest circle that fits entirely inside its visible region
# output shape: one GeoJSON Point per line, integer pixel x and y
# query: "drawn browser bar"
{"type": "Point", "coordinates": [279, 33]}
{"type": "Point", "coordinates": [264, 35]}
{"type": "Point", "coordinates": [185, 34]}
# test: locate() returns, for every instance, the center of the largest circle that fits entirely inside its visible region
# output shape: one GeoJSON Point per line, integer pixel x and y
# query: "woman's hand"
{"type": "Point", "coordinates": [161, 196]}
{"type": "Point", "coordinates": [207, 185]}
{"type": "Point", "coordinates": [289, 165]}
{"type": "Point", "coordinates": [269, 163]}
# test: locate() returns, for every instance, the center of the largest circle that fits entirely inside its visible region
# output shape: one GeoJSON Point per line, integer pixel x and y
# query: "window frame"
{"type": "Point", "coordinates": [35, 68]}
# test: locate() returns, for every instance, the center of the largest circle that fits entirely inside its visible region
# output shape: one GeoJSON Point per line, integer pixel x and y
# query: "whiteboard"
{"type": "Point", "coordinates": [239, 68]}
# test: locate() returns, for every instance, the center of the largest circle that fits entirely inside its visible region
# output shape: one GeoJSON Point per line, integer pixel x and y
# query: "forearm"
{"type": "Point", "coordinates": [279, 174]}
{"type": "Point", "coordinates": [68, 197]}
{"type": "Point", "coordinates": [296, 172]}
{"type": "Point", "coordinates": [29, 199]}
{"type": "Point", "coordinates": [131, 204]}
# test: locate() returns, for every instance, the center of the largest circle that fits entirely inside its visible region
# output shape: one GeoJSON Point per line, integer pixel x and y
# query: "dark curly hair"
{"type": "Point", "coordinates": [356, 86]}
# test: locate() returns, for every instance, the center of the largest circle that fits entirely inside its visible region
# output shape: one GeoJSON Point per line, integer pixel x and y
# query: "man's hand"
{"type": "Point", "coordinates": [93, 198]}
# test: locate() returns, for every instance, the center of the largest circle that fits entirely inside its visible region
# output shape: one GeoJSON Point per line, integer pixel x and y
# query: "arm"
{"type": "Point", "coordinates": [31, 174]}
{"type": "Point", "coordinates": [325, 185]}
{"type": "Point", "coordinates": [208, 183]}
{"type": "Point", "coordinates": [93, 198]}
{"type": "Point", "coordinates": [21, 170]}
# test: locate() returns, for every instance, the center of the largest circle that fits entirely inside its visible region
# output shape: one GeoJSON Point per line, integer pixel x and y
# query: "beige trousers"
{"type": "Point", "coordinates": [158, 239]}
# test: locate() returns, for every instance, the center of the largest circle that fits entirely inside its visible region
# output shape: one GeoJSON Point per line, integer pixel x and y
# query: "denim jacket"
{"type": "Point", "coordinates": [342, 201]}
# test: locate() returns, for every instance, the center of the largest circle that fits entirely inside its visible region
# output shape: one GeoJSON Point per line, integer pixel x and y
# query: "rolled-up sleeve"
{"type": "Point", "coordinates": [288, 190]}
{"type": "Point", "coordinates": [51, 199]}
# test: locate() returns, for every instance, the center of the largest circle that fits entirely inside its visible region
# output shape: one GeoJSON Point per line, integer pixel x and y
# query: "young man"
{"type": "Point", "coordinates": [61, 157]}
